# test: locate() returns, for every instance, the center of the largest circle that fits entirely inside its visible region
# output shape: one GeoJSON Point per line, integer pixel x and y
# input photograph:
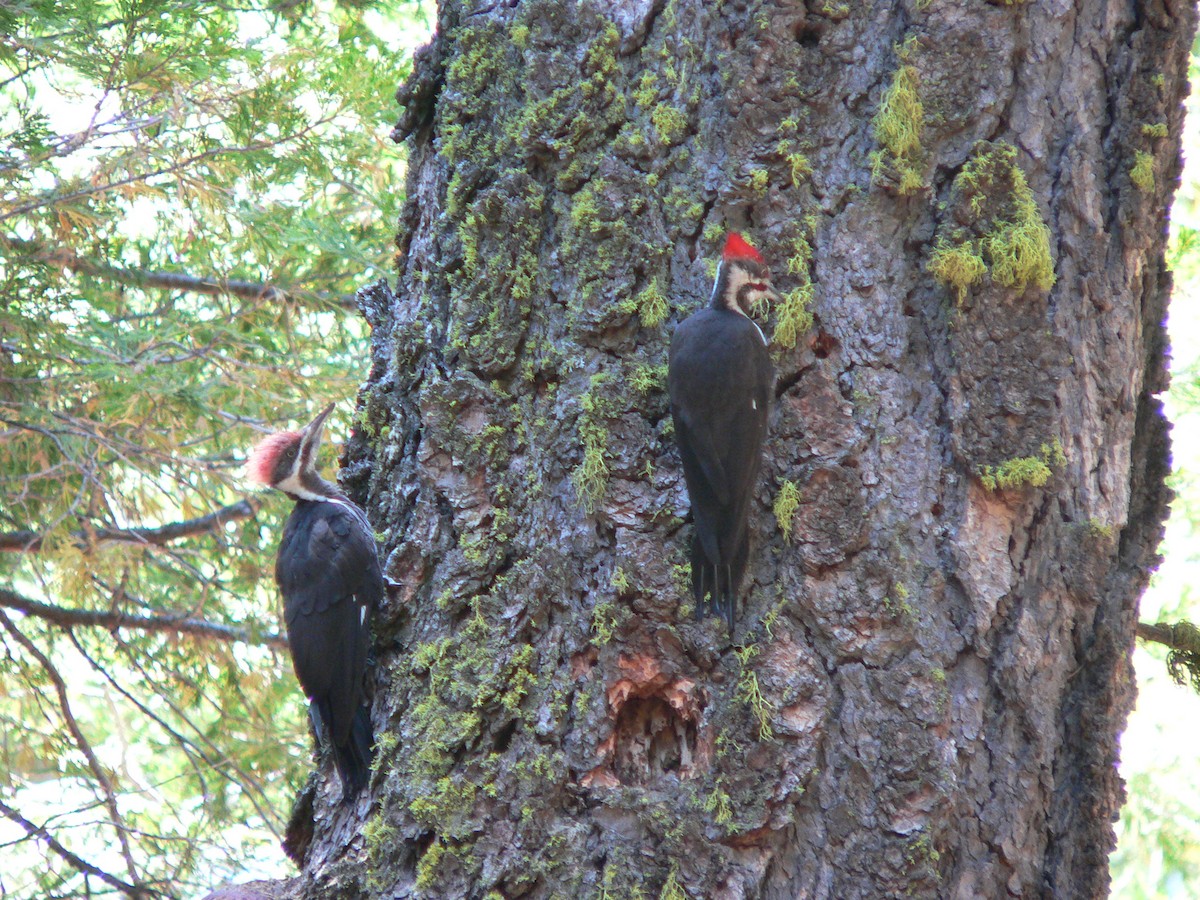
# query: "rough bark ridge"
{"type": "Point", "coordinates": [924, 689]}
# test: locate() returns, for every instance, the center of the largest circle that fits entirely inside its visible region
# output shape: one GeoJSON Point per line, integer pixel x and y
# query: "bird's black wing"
{"type": "Point", "coordinates": [719, 382]}
{"type": "Point", "coordinates": [329, 576]}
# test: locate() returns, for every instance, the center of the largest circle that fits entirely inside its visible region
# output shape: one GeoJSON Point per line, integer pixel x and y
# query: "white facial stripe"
{"type": "Point", "coordinates": [738, 278]}
{"type": "Point", "coordinates": [292, 485]}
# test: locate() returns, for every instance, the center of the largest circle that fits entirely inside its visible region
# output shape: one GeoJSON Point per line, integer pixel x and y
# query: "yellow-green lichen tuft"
{"type": "Point", "coordinates": [604, 622]}
{"type": "Point", "coordinates": [646, 378]}
{"type": "Point", "coordinates": [1142, 172]}
{"type": "Point", "coordinates": [1033, 471]}
{"type": "Point", "coordinates": [591, 475]}
{"type": "Point", "coordinates": [897, 127]}
{"type": "Point", "coordinates": [651, 304]}
{"type": "Point", "coordinates": [749, 692]}
{"type": "Point", "coordinates": [1156, 130]}
{"type": "Point", "coordinates": [793, 316]}
{"type": "Point", "coordinates": [719, 806]}
{"type": "Point", "coordinates": [787, 501]}
{"type": "Point", "coordinates": [993, 227]}
{"type": "Point", "coordinates": [956, 266]}
{"type": "Point", "coordinates": [671, 889]}
{"type": "Point", "coordinates": [1020, 249]}
{"type": "Point", "coordinates": [670, 123]}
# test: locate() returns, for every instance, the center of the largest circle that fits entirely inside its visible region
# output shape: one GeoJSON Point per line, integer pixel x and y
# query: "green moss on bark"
{"type": "Point", "coordinates": [992, 228]}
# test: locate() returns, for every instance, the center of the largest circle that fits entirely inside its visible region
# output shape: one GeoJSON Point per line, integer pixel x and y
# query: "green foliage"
{"type": "Point", "coordinates": [189, 194]}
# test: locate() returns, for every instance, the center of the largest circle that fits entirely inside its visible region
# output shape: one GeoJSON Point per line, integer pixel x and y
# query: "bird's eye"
{"type": "Point", "coordinates": [289, 453]}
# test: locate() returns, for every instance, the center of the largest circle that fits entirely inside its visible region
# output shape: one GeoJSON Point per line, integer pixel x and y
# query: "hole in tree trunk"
{"type": "Point", "coordinates": [652, 740]}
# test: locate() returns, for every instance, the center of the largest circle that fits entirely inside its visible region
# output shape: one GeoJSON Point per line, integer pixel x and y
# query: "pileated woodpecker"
{"type": "Point", "coordinates": [328, 573]}
{"type": "Point", "coordinates": [720, 380]}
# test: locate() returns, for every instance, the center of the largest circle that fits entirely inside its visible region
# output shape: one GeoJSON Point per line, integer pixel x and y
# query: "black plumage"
{"type": "Point", "coordinates": [329, 576]}
{"type": "Point", "coordinates": [719, 380]}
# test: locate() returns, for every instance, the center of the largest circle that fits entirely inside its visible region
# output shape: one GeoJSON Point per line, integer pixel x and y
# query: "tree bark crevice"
{"type": "Point", "coordinates": [931, 662]}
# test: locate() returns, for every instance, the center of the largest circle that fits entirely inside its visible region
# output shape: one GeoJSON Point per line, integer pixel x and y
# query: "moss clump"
{"type": "Point", "coordinates": [957, 265]}
{"type": "Point", "coordinates": [606, 619]}
{"type": "Point", "coordinates": [646, 378]}
{"type": "Point", "coordinates": [787, 501]}
{"type": "Point", "coordinates": [381, 838]}
{"type": "Point", "coordinates": [475, 677]}
{"type": "Point", "coordinates": [992, 226]}
{"type": "Point", "coordinates": [427, 865]}
{"type": "Point", "coordinates": [1020, 249]}
{"type": "Point", "coordinates": [671, 889]}
{"type": "Point", "coordinates": [670, 123]}
{"type": "Point", "coordinates": [651, 304]}
{"type": "Point", "coordinates": [1034, 471]}
{"type": "Point", "coordinates": [591, 475]}
{"type": "Point", "coordinates": [793, 316]}
{"type": "Point", "coordinates": [1157, 130]}
{"type": "Point", "coordinates": [897, 126]}
{"type": "Point", "coordinates": [749, 692]}
{"type": "Point", "coordinates": [1142, 172]}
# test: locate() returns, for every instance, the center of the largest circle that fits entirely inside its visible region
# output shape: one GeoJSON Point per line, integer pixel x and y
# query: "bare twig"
{"type": "Point", "coordinates": [32, 542]}
{"type": "Point", "coordinates": [76, 862]}
{"type": "Point", "coordinates": [172, 281]}
{"type": "Point", "coordinates": [1183, 636]}
{"type": "Point", "coordinates": [84, 746]}
{"type": "Point", "coordinates": [113, 620]}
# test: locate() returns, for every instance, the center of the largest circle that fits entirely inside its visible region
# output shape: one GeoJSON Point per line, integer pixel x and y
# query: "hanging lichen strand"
{"type": "Point", "coordinates": [992, 226]}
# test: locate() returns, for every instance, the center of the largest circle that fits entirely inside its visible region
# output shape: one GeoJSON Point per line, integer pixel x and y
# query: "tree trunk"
{"type": "Point", "coordinates": [931, 664]}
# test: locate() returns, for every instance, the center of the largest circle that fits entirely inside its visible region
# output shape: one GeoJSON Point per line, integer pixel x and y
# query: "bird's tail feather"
{"type": "Point", "coordinates": [715, 586]}
{"type": "Point", "coordinates": [353, 759]}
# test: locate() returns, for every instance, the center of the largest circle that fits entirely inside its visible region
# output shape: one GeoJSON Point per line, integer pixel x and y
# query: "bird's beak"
{"type": "Point", "coordinates": [312, 431]}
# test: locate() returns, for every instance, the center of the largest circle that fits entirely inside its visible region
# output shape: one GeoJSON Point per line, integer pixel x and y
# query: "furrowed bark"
{"type": "Point", "coordinates": [931, 665]}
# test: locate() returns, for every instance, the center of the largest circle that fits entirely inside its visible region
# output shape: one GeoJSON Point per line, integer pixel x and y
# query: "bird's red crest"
{"type": "Point", "coordinates": [261, 463]}
{"type": "Point", "coordinates": [737, 248]}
